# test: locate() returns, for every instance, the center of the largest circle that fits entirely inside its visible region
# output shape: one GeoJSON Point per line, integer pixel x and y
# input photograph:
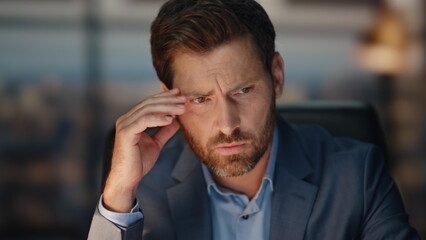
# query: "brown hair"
{"type": "Point", "coordinates": [201, 25]}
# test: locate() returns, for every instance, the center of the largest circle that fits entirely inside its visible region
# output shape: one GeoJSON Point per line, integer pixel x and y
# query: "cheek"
{"type": "Point", "coordinates": [200, 116]}
{"type": "Point", "coordinates": [251, 116]}
{"type": "Point", "coordinates": [193, 116]}
{"type": "Point", "coordinates": [196, 124]}
{"type": "Point", "coordinates": [256, 112]}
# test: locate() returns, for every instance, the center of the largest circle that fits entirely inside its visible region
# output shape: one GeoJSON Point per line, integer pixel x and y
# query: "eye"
{"type": "Point", "coordinates": [199, 99]}
{"type": "Point", "coordinates": [245, 90]}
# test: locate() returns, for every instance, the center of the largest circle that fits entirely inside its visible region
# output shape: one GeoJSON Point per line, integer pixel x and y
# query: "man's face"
{"type": "Point", "coordinates": [229, 117]}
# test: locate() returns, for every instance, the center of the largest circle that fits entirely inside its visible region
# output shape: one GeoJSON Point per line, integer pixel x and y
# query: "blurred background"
{"type": "Point", "coordinates": [69, 68]}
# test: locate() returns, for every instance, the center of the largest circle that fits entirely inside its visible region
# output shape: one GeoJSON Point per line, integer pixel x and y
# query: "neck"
{"type": "Point", "coordinates": [249, 183]}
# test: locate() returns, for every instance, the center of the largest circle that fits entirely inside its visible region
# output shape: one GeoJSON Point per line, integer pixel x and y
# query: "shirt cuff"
{"type": "Point", "coordinates": [124, 220]}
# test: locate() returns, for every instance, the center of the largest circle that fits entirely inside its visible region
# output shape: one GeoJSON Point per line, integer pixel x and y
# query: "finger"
{"type": "Point", "coordinates": [174, 99]}
{"type": "Point", "coordinates": [157, 109]}
{"type": "Point", "coordinates": [165, 133]}
{"type": "Point", "coordinates": [157, 120]}
{"type": "Point", "coordinates": [140, 116]}
{"type": "Point", "coordinates": [171, 91]}
{"type": "Point", "coordinates": [157, 99]}
{"type": "Point", "coordinates": [131, 132]}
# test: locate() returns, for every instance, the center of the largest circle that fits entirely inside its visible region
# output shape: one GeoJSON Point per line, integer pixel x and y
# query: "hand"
{"type": "Point", "coordinates": [135, 152]}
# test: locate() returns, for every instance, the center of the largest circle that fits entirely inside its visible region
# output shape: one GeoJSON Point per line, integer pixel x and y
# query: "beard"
{"type": "Point", "coordinates": [236, 164]}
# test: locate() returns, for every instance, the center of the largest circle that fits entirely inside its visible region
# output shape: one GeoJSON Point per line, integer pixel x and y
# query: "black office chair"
{"type": "Point", "coordinates": [350, 119]}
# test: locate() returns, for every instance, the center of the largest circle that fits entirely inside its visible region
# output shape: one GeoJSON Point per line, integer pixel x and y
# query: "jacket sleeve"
{"type": "Point", "coordinates": [384, 214]}
{"type": "Point", "coordinates": [101, 228]}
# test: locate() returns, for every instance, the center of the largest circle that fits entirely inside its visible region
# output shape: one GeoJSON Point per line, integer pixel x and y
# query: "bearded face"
{"type": "Point", "coordinates": [230, 110]}
{"type": "Point", "coordinates": [255, 145]}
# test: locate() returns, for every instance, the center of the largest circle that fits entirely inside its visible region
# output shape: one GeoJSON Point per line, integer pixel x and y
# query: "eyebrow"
{"type": "Point", "coordinates": [199, 93]}
{"type": "Point", "coordinates": [242, 84]}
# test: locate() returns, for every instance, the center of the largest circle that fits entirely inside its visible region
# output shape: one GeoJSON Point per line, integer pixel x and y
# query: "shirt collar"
{"type": "Point", "coordinates": [269, 175]}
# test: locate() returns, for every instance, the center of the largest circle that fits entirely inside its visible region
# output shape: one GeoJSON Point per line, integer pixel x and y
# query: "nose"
{"type": "Point", "coordinates": [228, 118]}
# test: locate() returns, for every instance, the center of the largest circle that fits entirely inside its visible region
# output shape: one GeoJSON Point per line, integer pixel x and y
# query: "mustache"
{"type": "Point", "coordinates": [235, 136]}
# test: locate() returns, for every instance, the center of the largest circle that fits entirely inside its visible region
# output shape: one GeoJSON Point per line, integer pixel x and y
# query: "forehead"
{"type": "Point", "coordinates": [228, 64]}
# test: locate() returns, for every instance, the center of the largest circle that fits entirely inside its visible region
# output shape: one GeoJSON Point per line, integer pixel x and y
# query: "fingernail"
{"type": "Point", "coordinates": [174, 90]}
{"type": "Point", "coordinates": [180, 106]}
{"type": "Point", "coordinates": [181, 98]}
{"type": "Point", "coordinates": [169, 118]}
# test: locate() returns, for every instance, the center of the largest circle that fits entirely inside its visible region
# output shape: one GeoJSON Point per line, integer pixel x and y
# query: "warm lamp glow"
{"type": "Point", "coordinates": [384, 48]}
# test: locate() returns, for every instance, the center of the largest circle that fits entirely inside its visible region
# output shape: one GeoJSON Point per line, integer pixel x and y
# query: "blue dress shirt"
{"type": "Point", "coordinates": [234, 216]}
{"type": "Point", "coordinates": [122, 220]}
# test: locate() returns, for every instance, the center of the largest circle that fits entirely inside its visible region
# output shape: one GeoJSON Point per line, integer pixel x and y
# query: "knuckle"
{"type": "Point", "coordinates": [122, 131]}
{"type": "Point", "coordinates": [143, 109]}
{"type": "Point", "coordinates": [144, 100]}
{"type": "Point", "coordinates": [148, 100]}
{"type": "Point", "coordinates": [119, 122]}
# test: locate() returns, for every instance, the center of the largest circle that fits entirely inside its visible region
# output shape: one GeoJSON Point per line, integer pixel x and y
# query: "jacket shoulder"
{"type": "Point", "coordinates": [336, 157]}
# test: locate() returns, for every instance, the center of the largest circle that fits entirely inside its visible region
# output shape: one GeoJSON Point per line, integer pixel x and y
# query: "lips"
{"type": "Point", "coordinates": [231, 148]}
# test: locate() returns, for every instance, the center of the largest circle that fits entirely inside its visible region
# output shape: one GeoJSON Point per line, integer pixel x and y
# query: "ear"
{"type": "Point", "coordinates": [277, 70]}
{"type": "Point", "coordinates": [164, 87]}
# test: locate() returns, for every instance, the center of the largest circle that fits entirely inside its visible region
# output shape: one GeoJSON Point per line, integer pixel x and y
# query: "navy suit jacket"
{"type": "Point", "coordinates": [324, 188]}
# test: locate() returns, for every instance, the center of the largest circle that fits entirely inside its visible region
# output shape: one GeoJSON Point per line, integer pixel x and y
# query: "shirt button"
{"type": "Point", "coordinates": [245, 217]}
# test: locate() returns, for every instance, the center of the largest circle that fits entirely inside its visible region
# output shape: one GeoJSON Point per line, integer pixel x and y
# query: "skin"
{"type": "Point", "coordinates": [215, 93]}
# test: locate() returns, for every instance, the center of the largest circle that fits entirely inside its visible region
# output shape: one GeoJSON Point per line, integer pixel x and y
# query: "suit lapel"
{"type": "Point", "coordinates": [188, 199]}
{"type": "Point", "coordinates": [293, 198]}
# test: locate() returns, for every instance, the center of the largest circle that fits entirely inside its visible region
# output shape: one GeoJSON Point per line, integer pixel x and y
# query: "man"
{"type": "Point", "coordinates": [235, 171]}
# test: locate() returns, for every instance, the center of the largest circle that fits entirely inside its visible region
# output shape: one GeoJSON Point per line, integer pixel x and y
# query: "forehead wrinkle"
{"type": "Point", "coordinates": [213, 76]}
{"type": "Point", "coordinates": [221, 77]}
